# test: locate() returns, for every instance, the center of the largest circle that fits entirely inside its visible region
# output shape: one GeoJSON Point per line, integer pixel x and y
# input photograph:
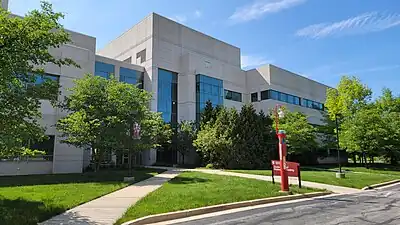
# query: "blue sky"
{"type": "Point", "coordinates": [320, 39]}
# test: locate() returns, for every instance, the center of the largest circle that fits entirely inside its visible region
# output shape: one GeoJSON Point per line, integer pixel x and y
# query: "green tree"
{"type": "Point", "coordinates": [102, 114]}
{"type": "Point", "coordinates": [300, 134]}
{"type": "Point", "coordinates": [349, 103]}
{"type": "Point", "coordinates": [362, 132]}
{"type": "Point", "coordinates": [214, 140]}
{"type": "Point", "coordinates": [209, 113]}
{"type": "Point", "coordinates": [237, 140]}
{"type": "Point", "coordinates": [185, 135]}
{"type": "Point", "coordinates": [389, 110]}
{"type": "Point", "coordinates": [349, 96]}
{"type": "Point", "coordinates": [24, 45]}
{"type": "Point", "coordinates": [252, 132]}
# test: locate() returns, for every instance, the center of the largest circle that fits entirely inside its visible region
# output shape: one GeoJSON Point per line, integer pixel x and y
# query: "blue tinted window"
{"type": "Point", "coordinates": [104, 70]}
{"type": "Point", "coordinates": [290, 99]}
{"type": "Point", "coordinates": [304, 102]}
{"type": "Point", "coordinates": [208, 89]}
{"type": "Point", "coordinates": [282, 97]}
{"type": "Point", "coordinates": [309, 104]}
{"type": "Point", "coordinates": [273, 95]}
{"type": "Point", "coordinates": [131, 76]}
{"type": "Point", "coordinates": [166, 96]}
{"type": "Point", "coordinates": [39, 79]}
{"type": "Point", "coordinates": [296, 101]}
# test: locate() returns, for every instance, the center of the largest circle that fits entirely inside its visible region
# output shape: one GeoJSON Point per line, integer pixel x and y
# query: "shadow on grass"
{"type": "Point", "coordinates": [187, 180]}
{"type": "Point", "coordinates": [22, 211]}
{"type": "Point", "coordinates": [25, 212]}
{"type": "Point", "coordinates": [105, 176]}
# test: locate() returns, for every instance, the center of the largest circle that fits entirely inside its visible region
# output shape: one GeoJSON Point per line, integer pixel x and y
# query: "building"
{"type": "Point", "coordinates": [183, 68]}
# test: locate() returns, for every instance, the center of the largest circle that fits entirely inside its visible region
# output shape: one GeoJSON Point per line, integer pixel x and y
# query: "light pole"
{"type": "Point", "coordinates": [337, 142]}
{"type": "Point", "coordinates": [279, 113]}
{"type": "Point", "coordinates": [340, 174]}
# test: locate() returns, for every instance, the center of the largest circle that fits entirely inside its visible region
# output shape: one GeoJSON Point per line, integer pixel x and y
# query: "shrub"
{"type": "Point", "coordinates": [210, 166]}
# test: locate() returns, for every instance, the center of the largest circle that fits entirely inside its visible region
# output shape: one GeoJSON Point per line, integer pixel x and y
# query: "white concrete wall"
{"type": "Point", "coordinates": [275, 78]}
{"type": "Point", "coordinates": [12, 168]}
{"type": "Point", "coordinates": [68, 159]}
{"type": "Point", "coordinates": [175, 47]}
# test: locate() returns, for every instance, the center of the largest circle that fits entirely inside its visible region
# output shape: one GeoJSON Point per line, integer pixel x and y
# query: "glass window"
{"type": "Point", "coordinates": [40, 79]}
{"type": "Point", "coordinates": [209, 88]}
{"type": "Point", "coordinates": [228, 94]}
{"type": "Point", "coordinates": [254, 97]}
{"type": "Point", "coordinates": [104, 70]}
{"type": "Point", "coordinates": [296, 101]}
{"type": "Point", "coordinates": [131, 76]}
{"type": "Point", "coordinates": [282, 97]}
{"type": "Point", "coordinates": [290, 99]}
{"type": "Point", "coordinates": [304, 102]}
{"type": "Point", "coordinates": [167, 95]}
{"type": "Point", "coordinates": [309, 104]}
{"type": "Point", "coordinates": [45, 145]}
{"type": "Point", "coordinates": [234, 96]}
{"type": "Point", "coordinates": [273, 95]}
{"type": "Point", "coordinates": [264, 95]}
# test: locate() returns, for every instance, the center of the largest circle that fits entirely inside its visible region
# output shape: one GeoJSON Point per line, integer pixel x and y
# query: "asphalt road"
{"type": "Point", "coordinates": [364, 208]}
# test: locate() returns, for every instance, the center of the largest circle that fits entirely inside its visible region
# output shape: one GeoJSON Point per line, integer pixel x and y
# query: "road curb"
{"type": "Point", "coordinates": [380, 185]}
{"type": "Point", "coordinates": [216, 208]}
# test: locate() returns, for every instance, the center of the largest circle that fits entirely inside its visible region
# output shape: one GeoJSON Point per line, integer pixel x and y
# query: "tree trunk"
{"type": "Point", "coordinates": [99, 159]}
{"type": "Point", "coordinates": [354, 158]}
{"type": "Point", "coordinates": [130, 162]}
{"type": "Point", "coordinates": [183, 159]}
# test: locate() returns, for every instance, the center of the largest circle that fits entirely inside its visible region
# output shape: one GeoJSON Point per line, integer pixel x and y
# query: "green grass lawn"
{"type": "Point", "coordinates": [194, 189]}
{"type": "Point", "coordinates": [353, 180]}
{"type": "Point", "coordinates": [26, 200]}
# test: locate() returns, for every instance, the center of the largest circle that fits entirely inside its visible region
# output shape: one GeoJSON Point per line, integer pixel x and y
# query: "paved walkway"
{"type": "Point", "coordinates": [292, 180]}
{"type": "Point", "coordinates": [108, 209]}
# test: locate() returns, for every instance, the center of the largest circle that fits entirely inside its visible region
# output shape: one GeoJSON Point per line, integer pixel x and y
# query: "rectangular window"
{"type": "Point", "coordinates": [131, 76]}
{"type": "Point", "coordinates": [296, 100]}
{"type": "Point", "coordinates": [42, 78]}
{"type": "Point", "coordinates": [46, 146]}
{"type": "Point", "coordinates": [282, 97]}
{"type": "Point", "coordinates": [264, 95]}
{"type": "Point", "coordinates": [290, 99]}
{"type": "Point", "coordinates": [232, 95]}
{"type": "Point", "coordinates": [254, 97]}
{"type": "Point", "coordinates": [209, 89]}
{"type": "Point", "coordinates": [309, 104]}
{"type": "Point", "coordinates": [167, 96]}
{"type": "Point", "coordinates": [274, 95]}
{"type": "Point", "coordinates": [304, 102]}
{"type": "Point", "coordinates": [104, 70]}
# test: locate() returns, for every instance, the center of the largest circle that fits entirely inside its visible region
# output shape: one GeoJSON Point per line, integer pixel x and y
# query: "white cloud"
{"type": "Point", "coordinates": [251, 61]}
{"type": "Point", "coordinates": [185, 17]}
{"type": "Point", "coordinates": [364, 23]}
{"type": "Point", "coordinates": [261, 7]}
{"type": "Point", "coordinates": [370, 70]}
{"type": "Point", "coordinates": [178, 18]}
{"type": "Point", "coordinates": [198, 13]}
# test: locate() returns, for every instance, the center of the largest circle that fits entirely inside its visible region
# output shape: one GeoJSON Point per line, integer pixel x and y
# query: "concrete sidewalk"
{"type": "Point", "coordinates": [108, 209]}
{"type": "Point", "coordinates": [292, 180]}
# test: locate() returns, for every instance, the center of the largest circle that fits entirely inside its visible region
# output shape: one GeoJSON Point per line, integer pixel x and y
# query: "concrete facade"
{"type": "Point", "coordinates": [159, 43]}
{"type": "Point", "coordinates": [4, 4]}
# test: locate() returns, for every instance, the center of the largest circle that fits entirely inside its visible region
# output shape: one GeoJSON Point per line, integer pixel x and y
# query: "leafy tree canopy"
{"type": "Point", "coordinates": [24, 50]}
